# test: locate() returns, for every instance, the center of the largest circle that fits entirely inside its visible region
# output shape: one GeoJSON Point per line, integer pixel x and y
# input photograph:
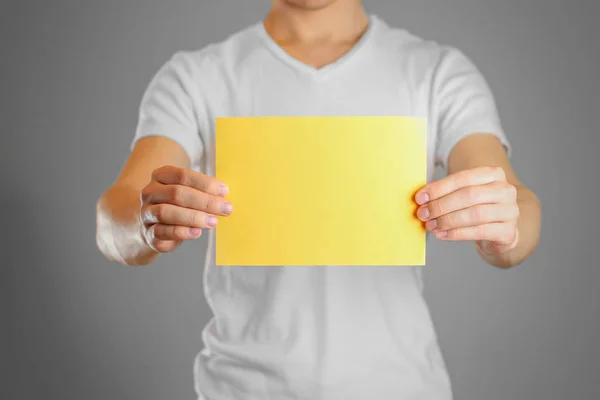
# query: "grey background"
{"type": "Point", "coordinates": [75, 326]}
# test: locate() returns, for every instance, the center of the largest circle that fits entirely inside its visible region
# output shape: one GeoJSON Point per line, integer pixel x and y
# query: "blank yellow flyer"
{"type": "Point", "coordinates": [321, 190]}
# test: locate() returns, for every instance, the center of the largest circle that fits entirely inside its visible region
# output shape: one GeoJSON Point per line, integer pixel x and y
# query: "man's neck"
{"type": "Point", "coordinates": [341, 22]}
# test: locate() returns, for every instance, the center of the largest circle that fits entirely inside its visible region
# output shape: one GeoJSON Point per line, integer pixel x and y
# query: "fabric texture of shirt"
{"type": "Point", "coordinates": [331, 332]}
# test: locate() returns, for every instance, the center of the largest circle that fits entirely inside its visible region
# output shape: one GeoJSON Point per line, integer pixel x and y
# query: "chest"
{"type": "Point", "coordinates": [319, 55]}
{"type": "Point", "coordinates": [359, 89]}
{"type": "Point", "coordinates": [376, 86]}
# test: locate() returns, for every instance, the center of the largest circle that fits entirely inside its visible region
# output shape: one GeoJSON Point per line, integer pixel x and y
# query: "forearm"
{"type": "Point", "coordinates": [528, 226]}
{"type": "Point", "coordinates": [118, 227]}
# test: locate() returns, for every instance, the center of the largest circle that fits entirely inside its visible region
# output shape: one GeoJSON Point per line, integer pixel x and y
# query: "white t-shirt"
{"type": "Point", "coordinates": [333, 332]}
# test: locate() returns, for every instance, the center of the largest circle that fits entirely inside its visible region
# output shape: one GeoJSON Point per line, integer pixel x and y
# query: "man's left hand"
{"type": "Point", "coordinates": [476, 204]}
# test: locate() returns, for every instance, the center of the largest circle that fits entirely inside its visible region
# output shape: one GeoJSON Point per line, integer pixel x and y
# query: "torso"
{"type": "Point", "coordinates": [332, 333]}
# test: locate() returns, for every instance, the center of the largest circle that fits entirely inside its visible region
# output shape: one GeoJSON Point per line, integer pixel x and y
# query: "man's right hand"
{"type": "Point", "coordinates": [177, 204]}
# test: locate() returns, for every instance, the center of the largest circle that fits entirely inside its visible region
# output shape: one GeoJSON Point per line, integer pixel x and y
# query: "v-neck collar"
{"type": "Point", "coordinates": [327, 69]}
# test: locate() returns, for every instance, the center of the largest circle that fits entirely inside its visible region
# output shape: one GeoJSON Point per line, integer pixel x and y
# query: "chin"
{"type": "Point", "coordinates": [309, 4]}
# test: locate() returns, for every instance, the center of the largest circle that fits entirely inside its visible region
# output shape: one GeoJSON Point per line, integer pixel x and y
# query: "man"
{"type": "Point", "coordinates": [331, 333]}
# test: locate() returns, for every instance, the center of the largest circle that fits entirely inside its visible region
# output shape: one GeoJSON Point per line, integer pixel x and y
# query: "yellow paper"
{"type": "Point", "coordinates": [321, 190]}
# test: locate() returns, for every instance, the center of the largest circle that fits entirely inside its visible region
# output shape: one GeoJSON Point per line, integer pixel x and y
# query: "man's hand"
{"type": "Point", "coordinates": [476, 204]}
{"type": "Point", "coordinates": [177, 204]}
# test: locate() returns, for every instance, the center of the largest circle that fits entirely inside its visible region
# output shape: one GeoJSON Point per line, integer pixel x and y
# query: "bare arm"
{"type": "Point", "coordinates": [119, 229]}
{"type": "Point", "coordinates": [483, 201]}
{"type": "Point", "coordinates": [486, 150]}
{"type": "Point", "coordinates": [156, 203]}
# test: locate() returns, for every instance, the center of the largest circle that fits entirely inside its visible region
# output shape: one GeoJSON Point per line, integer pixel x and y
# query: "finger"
{"type": "Point", "coordinates": [170, 175]}
{"type": "Point", "coordinates": [472, 216]}
{"type": "Point", "coordinates": [454, 182]}
{"type": "Point", "coordinates": [169, 214]}
{"type": "Point", "coordinates": [185, 196]}
{"type": "Point", "coordinates": [165, 246]}
{"type": "Point", "coordinates": [487, 247]}
{"type": "Point", "coordinates": [496, 192]}
{"type": "Point", "coordinates": [160, 245]}
{"type": "Point", "coordinates": [174, 232]}
{"type": "Point", "coordinates": [498, 232]}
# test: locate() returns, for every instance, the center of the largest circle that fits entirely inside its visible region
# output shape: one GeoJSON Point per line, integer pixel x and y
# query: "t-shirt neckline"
{"type": "Point", "coordinates": [315, 72]}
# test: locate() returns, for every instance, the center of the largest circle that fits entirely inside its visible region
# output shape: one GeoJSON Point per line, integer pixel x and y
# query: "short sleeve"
{"type": "Point", "coordinates": [169, 108]}
{"type": "Point", "coordinates": [464, 104]}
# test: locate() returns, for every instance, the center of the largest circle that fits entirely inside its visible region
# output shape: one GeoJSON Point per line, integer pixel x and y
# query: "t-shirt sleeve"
{"type": "Point", "coordinates": [464, 104]}
{"type": "Point", "coordinates": [169, 108]}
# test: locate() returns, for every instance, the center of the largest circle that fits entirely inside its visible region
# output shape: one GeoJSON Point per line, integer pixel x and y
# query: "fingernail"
{"type": "Point", "coordinates": [431, 225]}
{"type": "Point", "coordinates": [223, 190]}
{"type": "Point", "coordinates": [423, 213]}
{"type": "Point", "coordinates": [441, 235]}
{"type": "Point", "coordinates": [422, 198]}
{"type": "Point", "coordinates": [226, 208]}
{"type": "Point", "coordinates": [195, 231]}
{"type": "Point", "coordinates": [211, 220]}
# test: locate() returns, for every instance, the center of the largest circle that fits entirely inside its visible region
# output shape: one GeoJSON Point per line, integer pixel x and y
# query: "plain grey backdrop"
{"type": "Point", "coordinates": [76, 326]}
